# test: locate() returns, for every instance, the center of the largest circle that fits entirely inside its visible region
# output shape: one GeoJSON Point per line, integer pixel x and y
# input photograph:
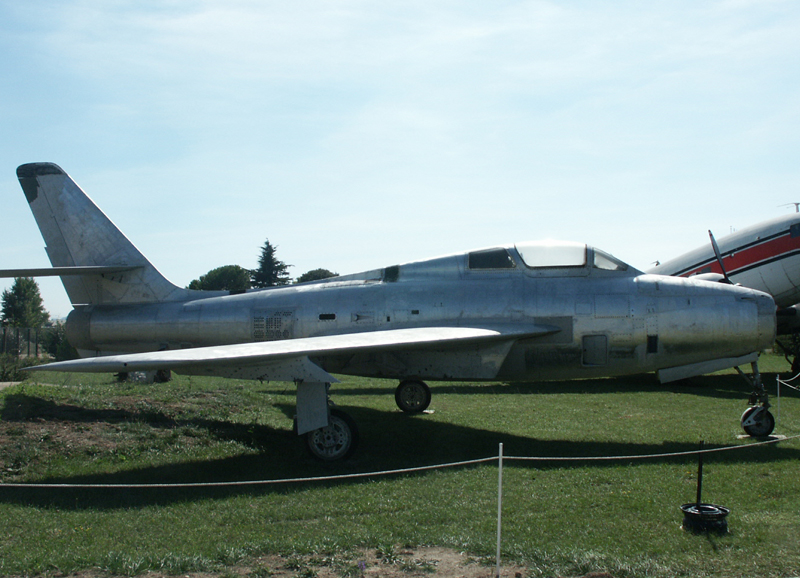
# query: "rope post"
{"type": "Point", "coordinates": [499, 505]}
{"type": "Point", "coordinates": [700, 475]}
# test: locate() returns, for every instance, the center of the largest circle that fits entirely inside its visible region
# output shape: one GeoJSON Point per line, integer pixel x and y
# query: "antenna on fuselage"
{"type": "Point", "coordinates": [795, 205]}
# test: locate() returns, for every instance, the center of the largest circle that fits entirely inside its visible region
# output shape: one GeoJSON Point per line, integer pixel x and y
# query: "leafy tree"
{"type": "Point", "coordinates": [55, 343]}
{"type": "Point", "coordinates": [316, 275]}
{"type": "Point", "coordinates": [11, 364]}
{"type": "Point", "coordinates": [23, 305]}
{"type": "Point", "coordinates": [271, 271]}
{"type": "Point", "coordinates": [225, 278]}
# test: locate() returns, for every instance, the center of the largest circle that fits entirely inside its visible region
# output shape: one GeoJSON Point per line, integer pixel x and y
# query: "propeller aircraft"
{"type": "Point", "coordinates": [765, 257]}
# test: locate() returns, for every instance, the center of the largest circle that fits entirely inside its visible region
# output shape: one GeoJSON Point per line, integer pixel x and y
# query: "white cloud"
{"type": "Point", "coordinates": [353, 133]}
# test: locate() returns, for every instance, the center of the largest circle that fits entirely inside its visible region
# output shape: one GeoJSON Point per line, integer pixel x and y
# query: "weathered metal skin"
{"type": "Point", "coordinates": [604, 322]}
{"type": "Point", "coordinates": [525, 312]}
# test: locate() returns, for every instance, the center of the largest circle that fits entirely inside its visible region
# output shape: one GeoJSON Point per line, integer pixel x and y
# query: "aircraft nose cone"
{"type": "Point", "coordinates": [752, 319]}
{"type": "Point", "coordinates": [767, 320]}
{"type": "Point", "coordinates": [759, 308]}
{"type": "Point", "coordinates": [722, 321]}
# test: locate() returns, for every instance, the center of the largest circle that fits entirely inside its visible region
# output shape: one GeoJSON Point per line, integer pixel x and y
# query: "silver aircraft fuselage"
{"type": "Point", "coordinates": [525, 312]}
{"type": "Point", "coordinates": [595, 317]}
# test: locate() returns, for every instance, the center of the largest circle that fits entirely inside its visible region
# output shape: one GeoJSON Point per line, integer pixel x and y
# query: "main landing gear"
{"type": "Point", "coordinates": [757, 421]}
{"type": "Point", "coordinates": [336, 441]}
{"type": "Point", "coordinates": [329, 433]}
{"type": "Point", "coordinates": [412, 396]}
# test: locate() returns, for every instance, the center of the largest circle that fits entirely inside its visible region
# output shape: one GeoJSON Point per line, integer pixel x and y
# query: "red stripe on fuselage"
{"type": "Point", "coordinates": [750, 256]}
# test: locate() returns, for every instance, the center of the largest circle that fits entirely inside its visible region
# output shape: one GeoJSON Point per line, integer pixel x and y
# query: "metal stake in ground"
{"type": "Point", "coordinates": [700, 475]}
{"type": "Point", "coordinates": [499, 504]}
{"type": "Point", "coordinates": [700, 517]}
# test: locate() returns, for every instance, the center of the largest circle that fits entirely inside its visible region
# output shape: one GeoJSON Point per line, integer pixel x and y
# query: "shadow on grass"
{"type": "Point", "coordinates": [713, 386]}
{"type": "Point", "coordinates": [23, 408]}
{"type": "Point", "coordinates": [389, 441]}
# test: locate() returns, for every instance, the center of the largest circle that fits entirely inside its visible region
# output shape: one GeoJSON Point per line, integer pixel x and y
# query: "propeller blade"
{"type": "Point", "coordinates": [719, 258]}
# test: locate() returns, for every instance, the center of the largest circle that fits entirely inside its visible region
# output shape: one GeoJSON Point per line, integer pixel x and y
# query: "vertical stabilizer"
{"type": "Point", "coordinates": [78, 234]}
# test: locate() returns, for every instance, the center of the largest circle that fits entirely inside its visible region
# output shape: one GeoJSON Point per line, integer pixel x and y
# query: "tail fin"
{"type": "Point", "coordinates": [78, 236]}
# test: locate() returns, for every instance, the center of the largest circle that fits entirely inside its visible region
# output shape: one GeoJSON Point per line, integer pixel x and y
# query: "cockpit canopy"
{"type": "Point", "coordinates": [545, 255]}
{"type": "Point", "coordinates": [538, 254]}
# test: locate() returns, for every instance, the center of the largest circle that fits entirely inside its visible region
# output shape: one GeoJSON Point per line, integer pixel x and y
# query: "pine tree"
{"type": "Point", "coordinates": [271, 271]}
{"type": "Point", "coordinates": [23, 305]}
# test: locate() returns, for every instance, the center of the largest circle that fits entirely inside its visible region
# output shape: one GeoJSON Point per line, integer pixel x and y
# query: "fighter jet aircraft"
{"type": "Point", "coordinates": [524, 312]}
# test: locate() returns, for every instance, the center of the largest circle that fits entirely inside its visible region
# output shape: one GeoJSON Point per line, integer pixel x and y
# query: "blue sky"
{"type": "Point", "coordinates": [357, 134]}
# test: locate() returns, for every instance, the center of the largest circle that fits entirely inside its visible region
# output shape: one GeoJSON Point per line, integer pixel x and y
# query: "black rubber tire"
{"type": "Point", "coordinates": [335, 442]}
{"type": "Point", "coordinates": [708, 518]}
{"type": "Point", "coordinates": [763, 427]}
{"type": "Point", "coordinates": [412, 396]}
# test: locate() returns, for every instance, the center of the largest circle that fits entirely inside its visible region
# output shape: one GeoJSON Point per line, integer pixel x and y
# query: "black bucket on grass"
{"type": "Point", "coordinates": [710, 518]}
{"type": "Point", "coordinates": [699, 517]}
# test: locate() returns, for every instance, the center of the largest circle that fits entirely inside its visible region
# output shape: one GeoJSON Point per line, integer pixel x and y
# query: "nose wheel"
{"type": "Point", "coordinates": [757, 421]}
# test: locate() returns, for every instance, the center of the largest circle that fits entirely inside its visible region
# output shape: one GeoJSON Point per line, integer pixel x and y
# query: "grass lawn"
{"type": "Point", "coordinates": [559, 519]}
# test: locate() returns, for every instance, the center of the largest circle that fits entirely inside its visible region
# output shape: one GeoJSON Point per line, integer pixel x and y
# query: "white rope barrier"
{"type": "Point", "coordinates": [786, 382]}
{"type": "Point", "coordinates": [779, 383]}
{"type": "Point", "coordinates": [652, 456]}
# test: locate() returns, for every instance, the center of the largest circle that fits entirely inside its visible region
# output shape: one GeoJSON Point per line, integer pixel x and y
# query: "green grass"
{"type": "Point", "coordinates": [621, 517]}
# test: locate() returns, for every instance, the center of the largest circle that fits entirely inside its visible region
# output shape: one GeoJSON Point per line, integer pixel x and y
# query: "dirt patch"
{"type": "Point", "coordinates": [427, 561]}
{"type": "Point", "coordinates": [400, 563]}
{"type": "Point", "coordinates": [430, 561]}
{"type": "Point", "coordinates": [34, 432]}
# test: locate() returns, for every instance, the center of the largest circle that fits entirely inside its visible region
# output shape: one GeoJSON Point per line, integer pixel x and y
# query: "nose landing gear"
{"type": "Point", "coordinates": [757, 421]}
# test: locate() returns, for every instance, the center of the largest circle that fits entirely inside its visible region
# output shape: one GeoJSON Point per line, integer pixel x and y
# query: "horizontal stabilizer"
{"type": "Point", "coordinates": [61, 271]}
{"type": "Point", "coordinates": [260, 360]}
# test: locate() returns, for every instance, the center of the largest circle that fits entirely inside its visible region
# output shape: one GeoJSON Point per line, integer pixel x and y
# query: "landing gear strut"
{"type": "Point", "coordinates": [757, 421]}
{"type": "Point", "coordinates": [330, 434]}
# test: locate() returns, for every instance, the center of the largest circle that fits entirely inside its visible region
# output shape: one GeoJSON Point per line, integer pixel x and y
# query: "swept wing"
{"type": "Point", "coordinates": [288, 360]}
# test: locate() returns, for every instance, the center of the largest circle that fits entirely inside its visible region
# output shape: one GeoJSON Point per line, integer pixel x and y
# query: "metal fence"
{"type": "Point", "coordinates": [26, 341]}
